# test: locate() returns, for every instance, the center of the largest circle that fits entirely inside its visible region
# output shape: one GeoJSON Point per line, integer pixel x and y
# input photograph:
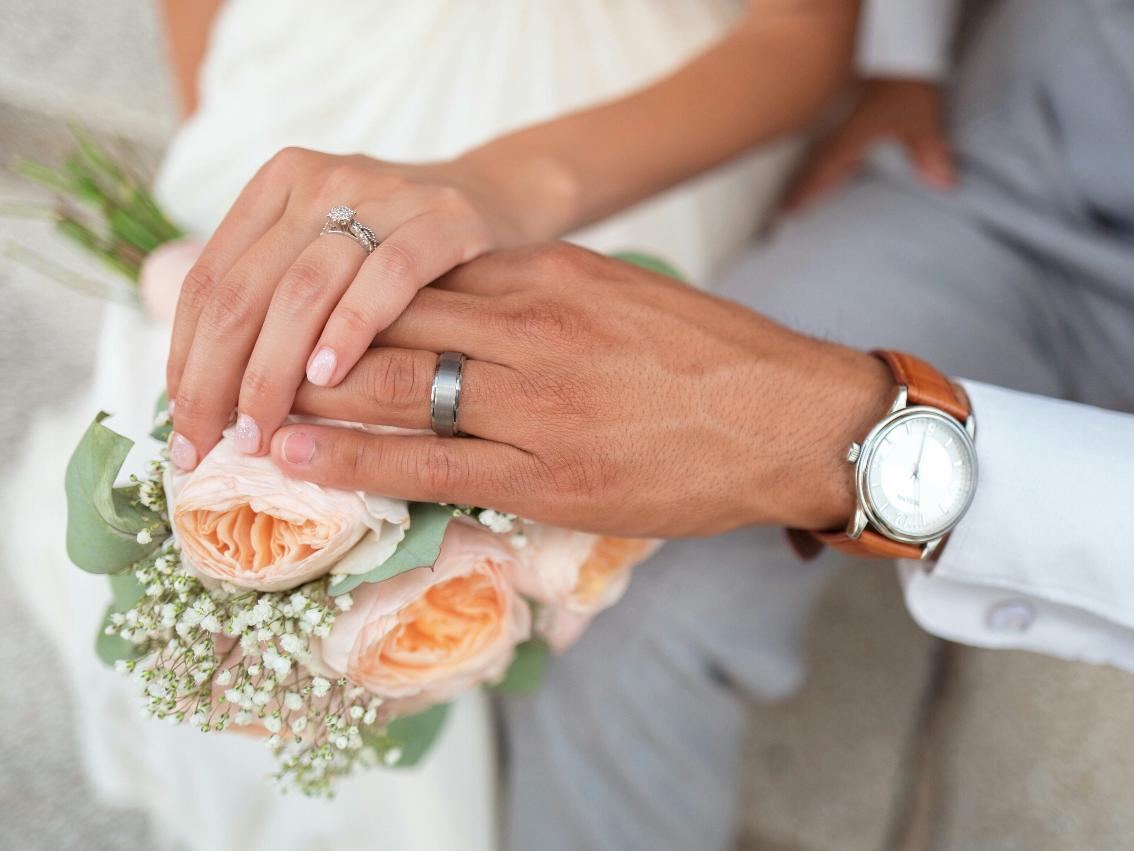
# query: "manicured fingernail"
{"type": "Point", "coordinates": [247, 435]}
{"type": "Point", "coordinates": [298, 447]}
{"type": "Point", "coordinates": [322, 366]}
{"type": "Point", "coordinates": [182, 452]}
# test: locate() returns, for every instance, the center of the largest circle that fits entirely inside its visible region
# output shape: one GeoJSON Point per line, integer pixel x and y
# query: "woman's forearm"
{"type": "Point", "coordinates": [187, 25]}
{"type": "Point", "coordinates": [770, 75]}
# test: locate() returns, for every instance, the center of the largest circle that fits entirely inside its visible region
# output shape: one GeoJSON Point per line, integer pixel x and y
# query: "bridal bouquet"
{"type": "Point", "coordinates": [335, 625]}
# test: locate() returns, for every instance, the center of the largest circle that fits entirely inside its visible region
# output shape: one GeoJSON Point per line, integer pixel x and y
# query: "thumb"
{"type": "Point", "coordinates": [933, 160]}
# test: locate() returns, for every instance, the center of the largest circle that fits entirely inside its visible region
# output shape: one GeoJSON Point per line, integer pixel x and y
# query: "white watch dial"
{"type": "Point", "coordinates": [919, 475]}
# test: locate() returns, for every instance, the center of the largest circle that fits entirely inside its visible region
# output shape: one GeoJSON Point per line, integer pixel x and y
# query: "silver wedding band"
{"type": "Point", "coordinates": [341, 221]}
{"type": "Point", "coordinates": [445, 396]}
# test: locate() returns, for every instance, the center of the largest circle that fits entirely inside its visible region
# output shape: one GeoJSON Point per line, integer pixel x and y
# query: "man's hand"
{"type": "Point", "coordinates": [602, 397]}
{"type": "Point", "coordinates": [909, 112]}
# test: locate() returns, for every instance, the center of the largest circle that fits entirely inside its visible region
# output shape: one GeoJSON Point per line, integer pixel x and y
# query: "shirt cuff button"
{"type": "Point", "coordinates": [1011, 616]}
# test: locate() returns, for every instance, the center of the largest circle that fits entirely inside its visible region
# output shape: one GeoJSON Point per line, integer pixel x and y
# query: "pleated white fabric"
{"type": "Point", "coordinates": [427, 79]}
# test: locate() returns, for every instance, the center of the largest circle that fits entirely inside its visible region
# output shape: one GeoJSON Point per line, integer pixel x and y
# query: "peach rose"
{"type": "Point", "coordinates": [161, 275]}
{"type": "Point", "coordinates": [240, 520]}
{"type": "Point", "coordinates": [575, 576]}
{"type": "Point", "coordinates": [430, 634]}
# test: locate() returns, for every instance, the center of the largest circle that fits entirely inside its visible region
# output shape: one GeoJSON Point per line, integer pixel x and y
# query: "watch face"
{"type": "Point", "coordinates": [918, 474]}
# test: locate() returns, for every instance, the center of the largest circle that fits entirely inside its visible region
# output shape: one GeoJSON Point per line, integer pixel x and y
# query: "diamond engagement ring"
{"type": "Point", "coordinates": [445, 397]}
{"type": "Point", "coordinates": [341, 220]}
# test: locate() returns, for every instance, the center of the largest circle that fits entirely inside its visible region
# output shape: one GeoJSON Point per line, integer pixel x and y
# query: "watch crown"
{"type": "Point", "coordinates": [854, 451]}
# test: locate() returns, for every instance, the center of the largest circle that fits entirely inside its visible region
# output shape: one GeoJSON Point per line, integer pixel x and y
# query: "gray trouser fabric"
{"type": "Point", "coordinates": [1023, 277]}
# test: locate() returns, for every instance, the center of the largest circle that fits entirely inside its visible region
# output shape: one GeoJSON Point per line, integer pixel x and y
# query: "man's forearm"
{"type": "Point", "coordinates": [770, 75]}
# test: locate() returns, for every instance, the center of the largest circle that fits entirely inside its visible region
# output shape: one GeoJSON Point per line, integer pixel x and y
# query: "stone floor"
{"type": "Point", "coordinates": [897, 741]}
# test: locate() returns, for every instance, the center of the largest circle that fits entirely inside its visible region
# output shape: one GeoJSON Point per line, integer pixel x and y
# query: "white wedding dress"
{"type": "Point", "coordinates": [400, 80]}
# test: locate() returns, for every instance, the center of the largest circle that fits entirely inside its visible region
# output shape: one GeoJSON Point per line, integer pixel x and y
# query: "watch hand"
{"type": "Point", "coordinates": [920, 453]}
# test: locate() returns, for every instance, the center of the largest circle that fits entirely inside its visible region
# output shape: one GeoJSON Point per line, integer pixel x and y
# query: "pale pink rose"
{"type": "Point", "coordinates": [240, 520]}
{"type": "Point", "coordinates": [574, 575]}
{"type": "Point", "coordinates": [427, 635]}
{"type": "Point", "coordinates": [161, 276]}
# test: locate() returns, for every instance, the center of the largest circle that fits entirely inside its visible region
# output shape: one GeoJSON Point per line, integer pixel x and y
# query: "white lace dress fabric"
{"type": "Point", "coordinates": [409, 80]}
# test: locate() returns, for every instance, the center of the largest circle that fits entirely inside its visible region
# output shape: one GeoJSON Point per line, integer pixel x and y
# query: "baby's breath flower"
{"type": "Point", "coordinates": [291, 643]}
{"type": "Point", "coordinates": [190, 671]}
{"type": "Point", "coordinates": [391, 757]}
{"type": "Point", "coordinates": [497, 521]}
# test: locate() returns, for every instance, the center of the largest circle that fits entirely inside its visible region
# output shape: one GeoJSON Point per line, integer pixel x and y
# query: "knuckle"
{"type": "Point", "coordinates": [338, 176]}
{"type": "Point", "coordinates": [439, 472]}
{"type": "Point", "coordinates": [449, 199]}
{"type": "Point", "coordinates": [358, 458]}
{"type": "Point", "coordinates": [353, 320]}
{"type": "Point", "coordinates": [394, 377]}
{"type": "Point", "coordinates": [557, 257]}
{"type": "Point", "coordinates": [257, 388]}
{"type": "Point", "coordinates": [301, 285]}
{"type": "Point", "coordinates": [228, 309]}
{"type": "Point", "coordinates": [575, 477]}
{"type": "Point", "coordinates": [190, 411]}
{"type": "Point", "coordinates": [396, 182]}
{"type": "Point", "coordinates": [198, 285]}
{"type": "Point", "coordinates": [287, 160]}
{"type": "Point", "coordinates": [540, 319]}
{"type": "Point", "coordinates": [396, 263]}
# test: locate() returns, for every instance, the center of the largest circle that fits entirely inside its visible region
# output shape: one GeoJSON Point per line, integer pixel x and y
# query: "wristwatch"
{"type": "Point", "coordinates": [915, 472]}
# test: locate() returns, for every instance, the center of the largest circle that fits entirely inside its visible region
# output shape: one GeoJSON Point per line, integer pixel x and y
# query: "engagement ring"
{"type": "Point", "coordinates": [341, 221]}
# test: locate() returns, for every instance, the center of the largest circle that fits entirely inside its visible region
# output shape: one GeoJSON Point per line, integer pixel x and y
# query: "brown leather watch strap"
{"type": "Point", "coordinates": [869, 545]}
{"type": "Point", "coordinates": [924, 386]}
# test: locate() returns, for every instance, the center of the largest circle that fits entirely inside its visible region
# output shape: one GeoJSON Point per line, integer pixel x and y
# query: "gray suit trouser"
{"type": "Point", "coordinates": [1023, 277]}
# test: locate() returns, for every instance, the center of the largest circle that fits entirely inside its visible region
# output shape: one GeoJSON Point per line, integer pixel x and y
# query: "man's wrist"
{"type": "Point", "coordinates": [856, 396]}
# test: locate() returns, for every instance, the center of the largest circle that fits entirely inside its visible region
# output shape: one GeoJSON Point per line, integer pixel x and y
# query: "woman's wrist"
{"type": "Point", "coordinates": [535, 197]}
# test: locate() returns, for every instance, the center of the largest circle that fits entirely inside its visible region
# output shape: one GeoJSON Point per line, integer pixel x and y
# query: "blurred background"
{"type": "Point", "coordinates": [897, 740]}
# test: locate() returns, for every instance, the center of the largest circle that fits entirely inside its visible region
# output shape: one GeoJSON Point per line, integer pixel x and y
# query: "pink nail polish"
{"type": "Point", "coordinates": [298, 447]}
{"type": "Point", "coordinates": [182, 452]}
{"type": "Point", "coordinates": [322, 366]}
{"type": "Point", "coordinates": [247, 435]}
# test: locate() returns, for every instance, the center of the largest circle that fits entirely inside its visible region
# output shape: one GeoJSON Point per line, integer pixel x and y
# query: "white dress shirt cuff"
{"type": "Point", "coordinates": [906, 38]}
{"type": "Point", "coordinates": [1042, 561]}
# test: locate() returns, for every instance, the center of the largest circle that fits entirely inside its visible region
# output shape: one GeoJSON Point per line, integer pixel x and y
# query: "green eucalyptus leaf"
{"type": "Point", "coordinates": [413, 735]}
{"type": "Point", "coordinates": [125, 591]}
{"type": "Point", "coordinates": [526, 671]}
{"type": "Point", "coordinates": [419, 548]}
{"type": "Point", "coordinates": [650, 262]}
{"type": "Point", "coordinates": [102, 521]}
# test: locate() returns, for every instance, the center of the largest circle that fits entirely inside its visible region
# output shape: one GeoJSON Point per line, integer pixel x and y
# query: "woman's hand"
{"type": "Point", "coordinates": [910, 112]}
{"type": "Point", "coordinates": [269, 301]}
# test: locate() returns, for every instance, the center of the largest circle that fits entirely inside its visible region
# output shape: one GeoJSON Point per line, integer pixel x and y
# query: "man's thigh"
{"type": "Point", "coordinates": [634, 739]}
{"type": "Point", "coordinates": [885, 265]}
